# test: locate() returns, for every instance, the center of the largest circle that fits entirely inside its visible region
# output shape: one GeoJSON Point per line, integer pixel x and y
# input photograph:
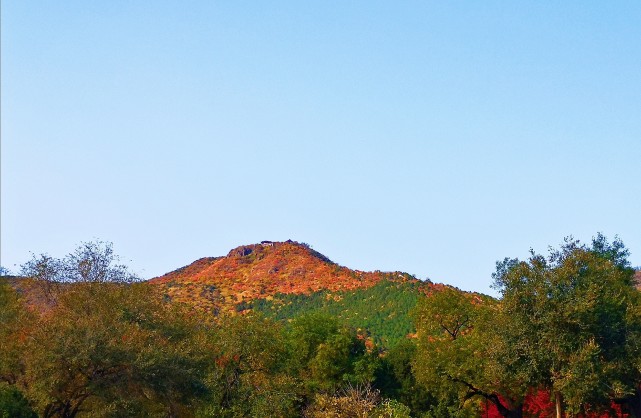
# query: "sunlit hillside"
{"type": "Point", "coordinates": [261, 271]}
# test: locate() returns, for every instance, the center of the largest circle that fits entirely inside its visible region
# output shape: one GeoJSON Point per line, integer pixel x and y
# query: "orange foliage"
{"type": "Point", "coordinates": [259, 271]}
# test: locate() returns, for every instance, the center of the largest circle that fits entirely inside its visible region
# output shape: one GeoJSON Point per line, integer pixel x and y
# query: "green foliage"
{"type": "Point", "coordinates": [575, 321]}
{"type": "Point", "coordinates": [391, 408]}
{"type": "Point", "coordinates": [383, 310]}
{"type": "Point", "coordinates": [395, 378]}
{"type": "Point", "coordinates": [326, 355]}
{"type": "Point", "coordinates": [249, 377]}
{"type": "Point", "coordinates": [13, 404]}
{"type": "Point", "coordinates": [453, 360]}
{"type": "Point", "coordinates": [117, 349]}
{"type": "Point", "coordinates": [14, 320]}
{"type": "Point", "coordinates": [105, 345]}
{"type": "Point", "coordinates": [450, 406]}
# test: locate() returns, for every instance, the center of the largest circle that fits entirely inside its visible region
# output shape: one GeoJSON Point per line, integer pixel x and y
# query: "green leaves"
{"type": "Point", "coordinates": [455, 333]}
{"type": "Point", "coordinates": [383, 309]}
{"type": "Point", "coordinates": [574, 320]}
{"type": "Point", "coordinates": [327, 355]}
{"type": "Point", "coordinates": [568, 324]}
{"type": "Point", "coordinates": [112, 343]}
{"type": "Point", "coordinates": [248, 374]}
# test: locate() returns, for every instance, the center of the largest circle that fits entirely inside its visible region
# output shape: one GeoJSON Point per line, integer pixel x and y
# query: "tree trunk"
{"type": "Point", "coordinates": [559, 407]}
{"type": "Point", "coordinates": [515, 412]}
{"type": "Point", "coordinates": [634, 403]}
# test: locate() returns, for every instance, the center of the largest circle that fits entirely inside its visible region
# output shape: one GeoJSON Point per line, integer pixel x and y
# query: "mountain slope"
{"type": "Point", "coordinates": [261, 271]}
{"type": "Point", "coordinates": [383, 311]}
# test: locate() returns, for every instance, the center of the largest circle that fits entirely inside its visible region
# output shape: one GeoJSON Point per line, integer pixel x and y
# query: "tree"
{"type": "Point", "coordinates": [13, 404]}
{"type": "Point", "coordinates": [396, 380]}
{"type": "Point", "coordinates": [14, 322]}
{"type": "Point", "coordinates": [248, 375]}
{"type": "Point", "coordinates": [458, 358]}
{"type": "Point", "coordinates": [91, 262]}
{"type": "Point", "coordinates": [327, 355]}
{"type": "Point", "coordinates": [575, 321]}
{"type": "Point", "coordinates": [109, 346]}
{"type": "Point", "coordinates": [117, 350]}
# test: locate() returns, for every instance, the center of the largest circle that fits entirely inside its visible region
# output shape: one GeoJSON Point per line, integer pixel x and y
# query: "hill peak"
{"type": "Point", "coordinates": [283, 247]}
{"type": "Point", "coordinates": [262, 270]}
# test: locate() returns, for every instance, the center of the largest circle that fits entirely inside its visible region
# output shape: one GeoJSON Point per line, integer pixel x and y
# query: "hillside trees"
{"type": "Point", "coordinates": [568, 324]}
{"type": "Point", "coordinates": [13, 320]}
{"type": "Point", "coordinates": [574, 315]}
{"type": "Point", "coordinates": [249, 377]}
{"type": "Point", "coordinates": [327, 355]}
{"type": "Point", "coordinates": [457, 358]}
{"type": "Point", "coordinates": [396, 379]}
{"type": "Point", "coordinates": [116, 350]}
{"type": "Point", "coordinates": [388, 323]}
{"type": "Point", "coordinates": [107, 346]}
{"type": "Point", "coordinates": [104, 344]}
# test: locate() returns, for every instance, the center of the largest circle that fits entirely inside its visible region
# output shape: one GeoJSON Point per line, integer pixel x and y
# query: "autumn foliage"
{"type": "Point", "coordinates": [260, 271]}
{"type": "Point", "coordinates": [278, 330]}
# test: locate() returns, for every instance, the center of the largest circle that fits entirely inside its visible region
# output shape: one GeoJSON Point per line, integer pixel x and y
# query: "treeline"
{"type": "Point", "coordinates": [88, 339]}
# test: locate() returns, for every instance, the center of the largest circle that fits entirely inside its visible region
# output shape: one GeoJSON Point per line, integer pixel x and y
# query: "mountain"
{"type": "Point", "coordinates": [285, 279]}
{"type": "Point", "coordinates": [261, 271]}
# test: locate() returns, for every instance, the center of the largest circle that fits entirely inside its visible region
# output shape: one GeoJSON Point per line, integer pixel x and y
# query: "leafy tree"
{"type": "Point", "coordinates": [90, 262]}
{"type": "Point", "coordinates": [13, 404]}
{"type": "Point", "coordinates": [456, 358]}
{"type": "Point", "coordinates": [248, 377]}
{"type": "Point", "coordinates": [13, 321]}
{"type": "Point", "coordinates": [396, 380]}
{"type": "Point", "coordinates": [575, 320]}
{"type": "Point", "coordinates": [107, 346]}
{"type": "Point", "coordinates": [390, 408]}
{"type": "Point", "coordinates": [117, 350]}
{"type": "Point", "coordinates": [327, 355]}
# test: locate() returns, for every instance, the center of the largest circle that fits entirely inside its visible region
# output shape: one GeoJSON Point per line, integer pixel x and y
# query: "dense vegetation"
{"type": "Point", "coordinates": [259, 271]}
{"type": "Point", "coordinates": [89, 339]}
{"type": "Point", "coordinates": [382, 311]}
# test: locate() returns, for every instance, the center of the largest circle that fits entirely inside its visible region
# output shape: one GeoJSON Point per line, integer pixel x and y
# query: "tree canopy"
{"type": "Point", "coordinates": [564, 335]}
{"type": "Point", "coordinates": [575, 316]}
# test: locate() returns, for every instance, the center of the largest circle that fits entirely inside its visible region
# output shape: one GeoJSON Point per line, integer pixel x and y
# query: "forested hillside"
{"type": "Point", "coordinates": [266, 271]}
{"type": "Point", "coordinates": [82, 337]}
{"type": "Point", "coordinates": [383, 310]}
{"type": "Point", "coordinates": [283, 280]}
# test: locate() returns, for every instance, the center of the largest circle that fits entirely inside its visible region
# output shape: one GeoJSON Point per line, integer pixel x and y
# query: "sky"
{"type": "Point", "coordinates": [428, 137]}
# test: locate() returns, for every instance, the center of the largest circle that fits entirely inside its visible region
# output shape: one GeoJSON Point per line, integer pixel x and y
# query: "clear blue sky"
{"type": "Point", "coordinates": [428, 137]}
